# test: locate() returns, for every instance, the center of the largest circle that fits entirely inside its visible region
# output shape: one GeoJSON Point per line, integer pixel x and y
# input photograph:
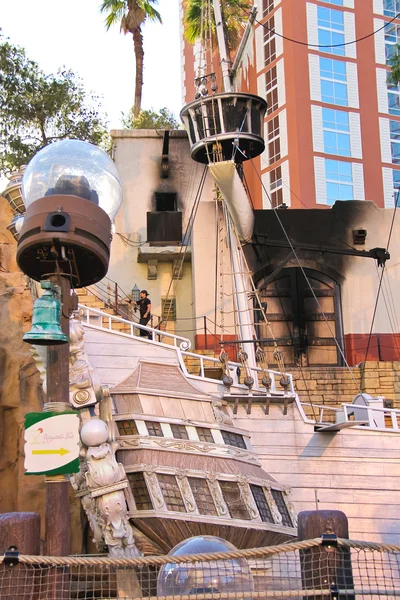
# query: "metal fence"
{"type": "Point", "coordinates": [312, 569]}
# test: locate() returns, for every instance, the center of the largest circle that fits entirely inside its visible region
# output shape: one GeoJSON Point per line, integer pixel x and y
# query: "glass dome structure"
{"type": "Point", "coordinates": [206, 577]}
{"type": "Point", "coordinates": [73, 167]}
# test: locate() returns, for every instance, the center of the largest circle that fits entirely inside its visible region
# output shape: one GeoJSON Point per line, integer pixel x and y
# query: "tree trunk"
{"type": "Point", "coordinates": [139, 55]}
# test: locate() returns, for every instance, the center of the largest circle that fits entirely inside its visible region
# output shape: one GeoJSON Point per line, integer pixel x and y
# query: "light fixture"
{"type": "Point", "coordinates": [72, 192]}
{"type": "Point", "coordinates": [135, 294]}
{"type": "Point", "coordinates": [227, 576]}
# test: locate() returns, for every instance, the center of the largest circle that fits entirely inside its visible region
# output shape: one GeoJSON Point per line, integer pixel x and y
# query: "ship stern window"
{"type": "Point", "coordinates": [179, 432]}
{"type": "Point", "coordinates": [171, 492]}
{"type": "Point", "coordinates": [281, 504]}
{"type": "Point", "coordinates": [234, 501]}
{"type": "Point", "coordinates": [233, 439]}
{"type": "Point", "coordinates": [262, 504]}
{"type": "Point", "coordinates": [205, 434]}
{"type": "Point", "coordinates": [202, 495]}
{"type": "Point", "coordinates": [127, 427]}
{"type": "Point", "coordinates": [140, 492]}
{"type": "Point", "coordinates": [154, 429]}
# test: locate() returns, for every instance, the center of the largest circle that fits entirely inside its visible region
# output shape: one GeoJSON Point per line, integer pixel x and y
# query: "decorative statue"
{"type": "Point", "coordinates": [84, 385]}
{"type": "Point", "coordinates": [101, 483]}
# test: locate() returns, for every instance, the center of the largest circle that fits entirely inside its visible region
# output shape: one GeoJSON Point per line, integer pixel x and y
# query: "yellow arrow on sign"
{"type": "Point", "coordinates": [60, 451]}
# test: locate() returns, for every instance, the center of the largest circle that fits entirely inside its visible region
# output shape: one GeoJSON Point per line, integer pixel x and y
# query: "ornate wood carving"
{"type": "Point", "coordinates": [154, 487]}
{"type": "Point", "coordinates": [272, 504]}
{"type": "Point", "coordinates": [290, 507]}
{"type": "Point", "coordinates": [219, 501]}
{"type": "Point", "coordinates": [186, 491]}
{"type": "Point", "coordinates": [247, 497]}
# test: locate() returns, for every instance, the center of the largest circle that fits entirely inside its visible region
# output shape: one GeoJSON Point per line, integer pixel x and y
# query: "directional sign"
{"type": "Point", "coordinates": [51, 443]}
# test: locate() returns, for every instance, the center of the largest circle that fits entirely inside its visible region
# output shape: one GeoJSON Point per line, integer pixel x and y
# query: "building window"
{"type": "Point", "coordinates": [262, 504]}
{"type": "Point", "coordinates": [127, 427]}
{"type": "Point", "coordinates": [339, 181]}
{"type": "Point", "coordinates": [274, 143]}
{"type": "Point", "coordinates": [269, 41]}
{"type": "Point", "coordinates": [168, 309]}
{"type": "Point", "coordinates": [396, 186]}
{"type": "Point", "coordinates": [336, 132]}
{"type": "Point", "coordinates": [336, 2]}
{"type": "Point", "coordinates": [331, 30]}
{"type": "Point", "coordinates": [233, 439]}
{"type": "Point", "coordinates": [205, 434]}
{"type": "Point", "coordinates": [268, 6]}
{"type": "Point", "coordinates": [234, 501]}
{"type": "Point", "coordinates": [154, 429]}
{"type": "Point", "coordinates": [140, 492]}
{"type": "Point", "coordinates": [391, 8]}
{"type": "Point", "coordinates": [333, 81]}
{"type": "Point", "coordinates": [281, 504]}
{"type": "Point", "coordinates": [395, 141]}
{"type": "Point", "coordinates": [275, 186]}
{"type": "Point", "coordinates": [171, 492]}
{"type": "Point", "coordinates": [166, 201]}
{"type": "Point", "coordinates": [271, 88]}
{"type": "Point", "coordinates": [392, 38]}
{"type": "Point", "coordinates": [179, 432]}
{"type": "Point", "coordinates": [394, 99]}
{"type": "Point", "coordinates": [202, 495]}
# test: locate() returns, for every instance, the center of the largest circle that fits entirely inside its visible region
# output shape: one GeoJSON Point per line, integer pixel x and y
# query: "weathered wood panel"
{"type": "Point", "coordinates": [356, 471]}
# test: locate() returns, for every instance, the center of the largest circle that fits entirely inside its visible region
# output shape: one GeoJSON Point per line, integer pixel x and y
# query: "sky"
{"type": "Point", "coordinates": [72, 34]}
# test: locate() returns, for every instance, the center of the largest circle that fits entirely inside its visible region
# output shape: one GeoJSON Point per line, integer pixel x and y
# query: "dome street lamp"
{"type": "Point", "coordinates": [71, 191]}
{"type": "Point", "coordinates": [228, 576]}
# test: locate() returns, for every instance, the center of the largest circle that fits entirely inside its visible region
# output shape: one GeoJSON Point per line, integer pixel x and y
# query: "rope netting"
{"type": "Point", "coordinates": [307, 570]}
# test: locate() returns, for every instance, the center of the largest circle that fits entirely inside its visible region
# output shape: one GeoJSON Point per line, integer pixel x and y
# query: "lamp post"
{"type": "Point", "coordinates": [71, 191]}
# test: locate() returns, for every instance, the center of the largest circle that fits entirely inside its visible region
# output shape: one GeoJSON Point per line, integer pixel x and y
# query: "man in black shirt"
{"type": "Point", "coordinates": [144, 305]}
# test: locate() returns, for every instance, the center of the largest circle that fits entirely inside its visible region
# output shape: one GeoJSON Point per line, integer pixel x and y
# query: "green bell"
{"type": "Point", "coordinates": [46, 329]}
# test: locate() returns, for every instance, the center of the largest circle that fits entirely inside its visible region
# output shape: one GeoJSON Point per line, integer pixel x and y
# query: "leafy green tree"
{"type": "Point", "coordinates": [150, 119]}
{"type": "Point", "coordinates": [234, 18]}
{"type": "Point", "coordinates": [37, 109]}
{"type": "Point", "coordinates": [131, 14]}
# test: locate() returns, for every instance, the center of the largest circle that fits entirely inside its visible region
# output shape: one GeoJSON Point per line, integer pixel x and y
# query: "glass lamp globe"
{"type": "Point", "coordinates": [94, 432]}
{"type": "Point", "coordinates": [205, 577]}
{"type": "Point", "coordinates": [73, 167]}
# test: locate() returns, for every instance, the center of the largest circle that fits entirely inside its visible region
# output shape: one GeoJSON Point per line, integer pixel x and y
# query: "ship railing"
{"type": "Point", "coordinates": [97, 319]}
{"type": "Point", "coordinates": [309, 569]}
{"type": "Point", "coordinates": [208, 363]}
{"type": "Point", "coordinates": [381, 419]}
{"type": "Point", "coordinates": [102, 321]}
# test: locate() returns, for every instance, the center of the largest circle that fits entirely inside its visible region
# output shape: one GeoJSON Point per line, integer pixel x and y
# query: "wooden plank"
{"type": "Point", "coordinates": [151, 405]}
{"type": "Point", "coordinates": [317, 466]}
{"type": "Point", "coordinates": [340, 426]}
{"type": "Point", "coordinates": [193, 410]}
{"type": "Point", "coordinates": [172, 407]}
{"type": "Point", "coordinates": [330, 481]}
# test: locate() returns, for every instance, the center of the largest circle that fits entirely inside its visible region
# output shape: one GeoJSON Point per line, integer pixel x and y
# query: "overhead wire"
{"type": "Point", "coordinates": [301, 43]}
{"type": "Point", "coordinates": [381, 278]}
{"type": "Point", "coordinates": [340, 350]}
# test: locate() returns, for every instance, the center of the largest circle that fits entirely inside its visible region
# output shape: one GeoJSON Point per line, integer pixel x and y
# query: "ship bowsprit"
{"type": "Point", "coordinates": [190, 470]}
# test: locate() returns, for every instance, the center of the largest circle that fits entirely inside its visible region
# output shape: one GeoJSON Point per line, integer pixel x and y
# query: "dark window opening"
{"type": "Point", "coordinates": [140, 492]}
{"type": "Point", "coordinates": [166, 201]}
{"type": "Point", "coordinates": [202, 495]}
{"type": "Point", "coordinates": [233, 439]}
{"type": "Point", "coordinates": [204, 434]}
{"type": "Point", "coordinates": [262, 504]}
{"type": "Point", "coordinates": [179, 432]}
{"type": "Point", "coordinates": [171, 492]}
{"type": "Point", "coordinates": [281, 504]}
{"type": "Point", "coordinates": [154, 428]}
{"type": "Point", "coordinates": [127, 427]}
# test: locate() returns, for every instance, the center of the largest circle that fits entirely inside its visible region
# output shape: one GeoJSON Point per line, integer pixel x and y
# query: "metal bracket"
{"type": "Point", "coordinates": [11, 557]}
{"type": "Point", "coordinates": [329, 540]}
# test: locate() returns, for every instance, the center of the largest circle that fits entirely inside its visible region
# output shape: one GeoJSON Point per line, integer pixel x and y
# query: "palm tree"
{"type": "Point", "coordinates": [235, 15]}
{"type": "Point", "coordinates": [131, 14]}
